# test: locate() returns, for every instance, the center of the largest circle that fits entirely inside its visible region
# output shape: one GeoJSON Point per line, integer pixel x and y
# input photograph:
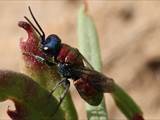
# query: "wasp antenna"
{"type": "Point", "coordinates": [33, 26]}
{"type": "Point", "coordinates": [43, 34]}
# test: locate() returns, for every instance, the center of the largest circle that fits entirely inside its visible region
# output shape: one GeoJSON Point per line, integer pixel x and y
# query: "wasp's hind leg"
{"type": "Point", "coordinates": [57, 85]}
{"type": "Point", "coordinates": [66, 85]}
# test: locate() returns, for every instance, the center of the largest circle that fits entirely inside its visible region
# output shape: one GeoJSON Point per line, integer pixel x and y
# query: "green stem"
{"type": "Point", "coordinates": [126, 104]}
{"type": "Point", "coordinates": [89, 47]}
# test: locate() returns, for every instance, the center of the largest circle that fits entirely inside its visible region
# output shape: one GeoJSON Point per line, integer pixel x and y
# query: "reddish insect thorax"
{"type": "Point", "coordinates": [69, 55]}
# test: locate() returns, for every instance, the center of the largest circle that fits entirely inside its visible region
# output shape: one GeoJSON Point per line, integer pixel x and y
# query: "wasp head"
{"type": "Point", "coordinates": [51, 45]}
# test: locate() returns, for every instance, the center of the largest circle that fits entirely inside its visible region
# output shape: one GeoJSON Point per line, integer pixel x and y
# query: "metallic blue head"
{"type": "Point", "coordinates": [51, 45]}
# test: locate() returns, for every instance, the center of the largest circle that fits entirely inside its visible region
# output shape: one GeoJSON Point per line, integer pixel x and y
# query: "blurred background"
{"type": "Point", "coordinates": [129, 35]}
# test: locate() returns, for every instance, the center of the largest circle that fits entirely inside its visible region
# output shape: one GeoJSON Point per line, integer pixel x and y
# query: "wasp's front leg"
{"type": "Point", "coordinates": [40, 59]}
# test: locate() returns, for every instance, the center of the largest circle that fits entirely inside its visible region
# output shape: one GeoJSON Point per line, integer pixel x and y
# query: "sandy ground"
{"type": "Point", "coordinates": [129, 35]}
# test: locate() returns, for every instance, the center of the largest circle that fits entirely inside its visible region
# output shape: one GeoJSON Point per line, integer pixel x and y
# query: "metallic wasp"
{"type": "Point", "coordinates": [71, 65]}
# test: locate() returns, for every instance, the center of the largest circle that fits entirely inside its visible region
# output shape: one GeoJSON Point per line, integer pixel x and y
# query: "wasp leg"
{"type": "Point", "coordinates": [40, 59]}
{"type": "Point", "coordinates": [66, 84]}
{"type": "Point", "coordinates": [57, 85]}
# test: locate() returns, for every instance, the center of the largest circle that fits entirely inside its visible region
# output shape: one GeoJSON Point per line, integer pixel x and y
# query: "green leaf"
{"type": "Point", "coordinates": [32, 102]}
{"type": "Point", "coordinates": [89, 47]}
{"type": "Point", "coordinates": [126, 104]}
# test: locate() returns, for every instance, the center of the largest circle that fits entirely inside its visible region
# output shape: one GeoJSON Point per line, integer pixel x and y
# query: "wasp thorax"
{"type": "Point", "coordinates": [65, 70]}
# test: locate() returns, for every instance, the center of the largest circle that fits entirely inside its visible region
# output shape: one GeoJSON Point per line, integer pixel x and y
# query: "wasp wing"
{"type": "Point", "coordinates": [88, 65]}
{"type": "Point", "coordinates": [98, 80]}
{"type": "Point", "coordinates": [86, 62]}
{"type": "Point", "coordinates": [85, 88]}
{"type": "Point", "coordinates": [91, 84]}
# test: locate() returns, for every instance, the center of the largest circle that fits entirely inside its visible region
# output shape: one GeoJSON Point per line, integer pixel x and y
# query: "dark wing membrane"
{"type": "Point", "coordinates": [88, 65]}
{"type": "Point", "coordinates": [88, 92]}
{"type": "Point", "coordinates": [85, 89]}
{"type": "Point", "coordinates": [99, 81]}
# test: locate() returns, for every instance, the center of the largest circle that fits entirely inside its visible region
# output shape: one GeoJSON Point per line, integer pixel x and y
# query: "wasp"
{"type": "Point", "coordinates": [71, 65]}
